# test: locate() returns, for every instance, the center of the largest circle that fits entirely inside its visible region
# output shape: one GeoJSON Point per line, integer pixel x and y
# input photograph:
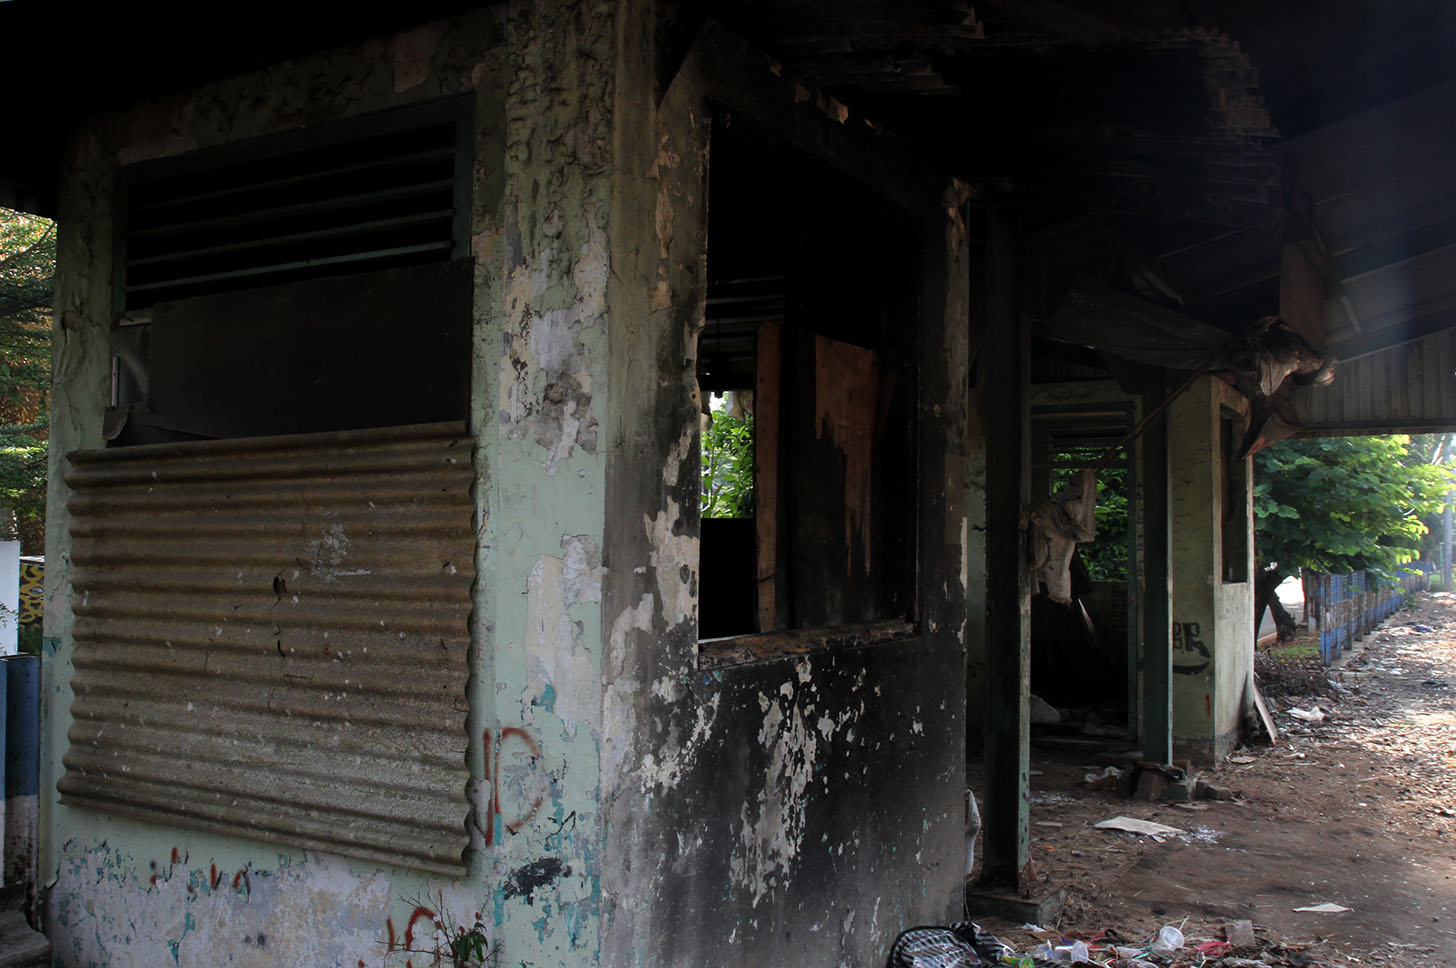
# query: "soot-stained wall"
{"type": "Point", "coordinates": [801, 809]}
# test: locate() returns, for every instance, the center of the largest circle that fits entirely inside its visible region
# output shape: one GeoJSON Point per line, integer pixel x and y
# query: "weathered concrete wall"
{"type": "Point", "coordinates": [724, 800]}
{"type": "Point", "coordinates": [1213, 638]}
{"type": "Point", "coordinates": [123, 892]}
{"type": "Point", "coordinates": [1235, 607]}
{"type": "Point", "coordinates": [792, 811]}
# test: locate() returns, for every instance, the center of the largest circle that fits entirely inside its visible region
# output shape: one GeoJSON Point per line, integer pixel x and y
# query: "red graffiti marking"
{"type": "Point", "coordinates": [409, 928]}
{"type": "Point", "coordinates": [164, 876]}
{"type": "Point", "coordinates": [395, 944]}
{"type": "Point", "coordinates": [494, 754]}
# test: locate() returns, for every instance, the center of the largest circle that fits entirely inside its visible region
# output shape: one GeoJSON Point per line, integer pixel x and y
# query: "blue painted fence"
{"type": "Point", "coordinates": [1346, 607]}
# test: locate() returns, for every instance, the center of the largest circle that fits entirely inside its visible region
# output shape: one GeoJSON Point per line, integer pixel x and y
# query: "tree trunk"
{"type": "Point", "coordinates": [1265, 581]}
{"type": "Point", "coordinates": [1283, 621]}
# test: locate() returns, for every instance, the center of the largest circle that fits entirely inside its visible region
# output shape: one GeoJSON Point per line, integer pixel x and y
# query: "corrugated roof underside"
{"type": "Point", "coordinates": [1409, 388]}
{"type": "Point", "coordinates": [271, 639]}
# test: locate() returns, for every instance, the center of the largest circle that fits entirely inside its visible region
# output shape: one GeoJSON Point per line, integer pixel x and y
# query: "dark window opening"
{"type": "Point", "coordinates": [1235, 498]}
{"type": "Point", "coordinates": [811, 333]}
{"type": "Point", "coordinates": [313, 281]}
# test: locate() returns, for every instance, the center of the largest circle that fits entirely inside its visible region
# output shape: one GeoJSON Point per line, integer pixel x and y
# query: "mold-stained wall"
{"type": "Point", "coordinates": [797, 810]}
{"type": "Point", "coordinates": [1213, 633]}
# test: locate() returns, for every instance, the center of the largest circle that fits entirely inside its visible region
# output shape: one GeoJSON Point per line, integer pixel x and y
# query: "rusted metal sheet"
{"type": "Point", "coordinates": [271, 638]}
{"type": "Point", "coordinates": [1409, 388]}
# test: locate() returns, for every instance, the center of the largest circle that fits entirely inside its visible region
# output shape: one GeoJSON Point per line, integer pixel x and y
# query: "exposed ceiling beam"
{"type": "Point", "coordinates": [1060, 20]}
{"type": "Point", "coordinates": [1428, 65]}
{"type": "Point", "coordinates": [1396, 249]}
{"type": "Point", "coordinates": [1435, 320]}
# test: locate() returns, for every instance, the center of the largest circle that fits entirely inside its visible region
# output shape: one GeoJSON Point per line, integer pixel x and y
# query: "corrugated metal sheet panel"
{"type": "Point", "coordinates": [271, 638]}
{"type": "Point", "coordinates": [1406, 389]}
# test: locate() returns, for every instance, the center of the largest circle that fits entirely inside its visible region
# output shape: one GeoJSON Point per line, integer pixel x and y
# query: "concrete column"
{"type": "Point", "coordinates": [1157, 645]}
{"type": "Point", "coordinates": [1008, 586]}
{"type": "Point", "coordinates": [1213, 636]}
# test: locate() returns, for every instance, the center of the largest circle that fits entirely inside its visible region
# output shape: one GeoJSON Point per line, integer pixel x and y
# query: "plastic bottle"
{"type": "Point", "coordinates": [1169, 940]}
{"type": "Point", "coordinates": [1076, 953]}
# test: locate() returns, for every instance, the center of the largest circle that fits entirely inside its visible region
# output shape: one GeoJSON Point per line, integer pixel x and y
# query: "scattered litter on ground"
{"type": "Point", "coordinates": [1313, 715]}
{"type": "Point", "coordinates": [1240, 934]}
{"type": "Point", "coordinates": [967, 944]}
{"type": "Point", "coordinates": [1325, 908]}
{"type": "Point", "coordinates": [1362, 806]}
{"type": "Point", "coordinates": [1145, 828]}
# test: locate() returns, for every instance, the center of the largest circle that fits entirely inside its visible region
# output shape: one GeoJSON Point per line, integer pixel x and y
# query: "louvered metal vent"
{"type": "Point", "coordinates": [368, 194]}
{"type": "Point", "coordinates": [271, 639]}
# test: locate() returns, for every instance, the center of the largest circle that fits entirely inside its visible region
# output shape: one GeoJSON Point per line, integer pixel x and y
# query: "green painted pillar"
{"type": "Point", "coordinates": [1157, 651]}
{"type": "Point", "coordinates": [1006, 421]}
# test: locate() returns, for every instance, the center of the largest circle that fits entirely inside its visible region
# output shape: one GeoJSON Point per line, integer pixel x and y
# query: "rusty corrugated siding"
{"type": "Point", "coordinates": [1409, 388]}
{"type": "Point", "coordinates": [271, 638]}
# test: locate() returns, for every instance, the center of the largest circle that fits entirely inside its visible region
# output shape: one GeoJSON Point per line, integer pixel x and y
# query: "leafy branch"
{"type": "Point", "coordinates": [727, 462]}
{"type": "Point", "coordinates": [449, 944]}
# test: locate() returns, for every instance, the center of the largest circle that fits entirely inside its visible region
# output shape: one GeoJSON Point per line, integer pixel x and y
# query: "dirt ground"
{"type": "Point", "coordinates": [1357, 810]}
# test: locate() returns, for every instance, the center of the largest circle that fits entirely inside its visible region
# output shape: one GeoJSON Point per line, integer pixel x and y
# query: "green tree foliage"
{"type": "Point", "coordinates": [27, 266]}
{"type": "Point", "coordinates": [1341, 504]}
{"type": "Point", "coordinates": [728, 466]}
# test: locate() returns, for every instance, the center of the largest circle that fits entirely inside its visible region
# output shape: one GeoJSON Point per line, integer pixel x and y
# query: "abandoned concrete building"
{"type": "Point", "coordinates": [378, 589]}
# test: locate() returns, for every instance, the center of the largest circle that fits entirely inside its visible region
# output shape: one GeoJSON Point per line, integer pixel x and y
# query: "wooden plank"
{"type": "Point", "coordinates": [714, 653]}
{"type": "Point", "coordinates": [1406, 330]}
{"type": "Point", "coordinates": [1301, 294]}
{"type": "Point", "coordinates": [1262, 708]}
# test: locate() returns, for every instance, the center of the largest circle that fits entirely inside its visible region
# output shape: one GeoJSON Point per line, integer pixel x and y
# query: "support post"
{"type": "Point", "coordinates": [1005, 416]}
{"type": "Point", "coordinates": [1158, 589]}
{"type": "Point", "coordinates": [1446, 543]}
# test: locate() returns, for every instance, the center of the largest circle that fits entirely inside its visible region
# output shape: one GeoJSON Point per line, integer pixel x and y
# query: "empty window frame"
{"type": "Point", "coordinates": [812, 320]}
{"type": "Point", "coordinates": [284, 281]}
{"type": "Point", "coordinates": [1234, 479]}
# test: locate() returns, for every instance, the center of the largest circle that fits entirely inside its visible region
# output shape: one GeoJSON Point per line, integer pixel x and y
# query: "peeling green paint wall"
{"type": "Point", "coordinates": [1213, 642]}
{"type": "Point", "coordinates": [126, 892]}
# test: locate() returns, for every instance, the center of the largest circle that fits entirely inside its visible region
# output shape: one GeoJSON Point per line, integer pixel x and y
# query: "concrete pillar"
{"type": "Point", "coordinates": [1212, 568]}
{"type": "Point", "coordinates": [1157, 658]}
{"type": "Point", "coordinates": [1008, 584]}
